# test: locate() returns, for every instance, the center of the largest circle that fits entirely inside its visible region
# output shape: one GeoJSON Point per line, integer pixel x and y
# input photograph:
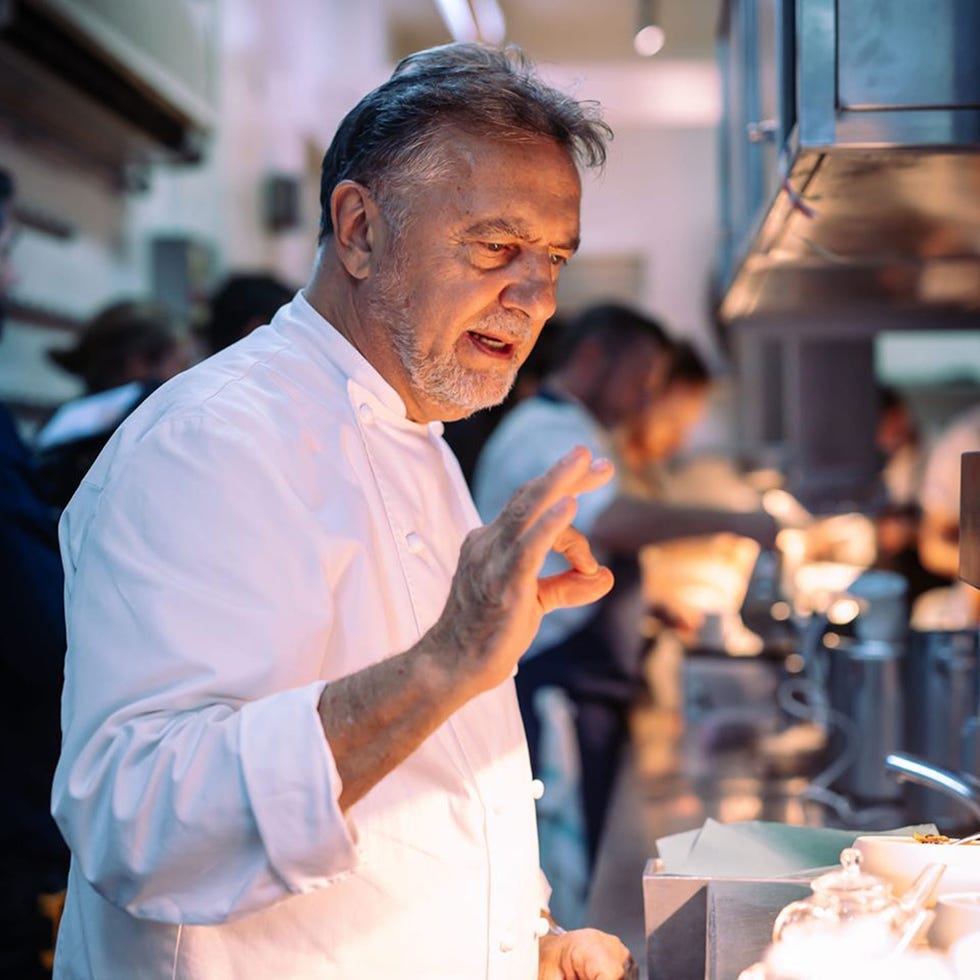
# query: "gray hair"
{"type": "Point", "coordinates": [385, 142]}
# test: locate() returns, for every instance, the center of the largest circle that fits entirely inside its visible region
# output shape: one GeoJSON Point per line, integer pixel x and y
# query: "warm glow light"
{"type": "Point", "coordinates": [780, 611]}
{"type": "Point", "coordinates": [649, 40]}
{"type": "Point", "coordinates": [831, 641]}
{"type": "Point", "coordinates": [843, 611]}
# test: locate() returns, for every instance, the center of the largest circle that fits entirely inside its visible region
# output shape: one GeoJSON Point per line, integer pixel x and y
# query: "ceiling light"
{"type": "Point", "coordinates": [473, 20]}
{"type": "Point", "coordinates": [650, 35]}
{"type": "Point", "coordinates": [649, 40]}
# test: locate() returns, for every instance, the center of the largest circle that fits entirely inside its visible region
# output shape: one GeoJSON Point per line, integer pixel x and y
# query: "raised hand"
{"type": "Point", "coordinates": [498, 596]}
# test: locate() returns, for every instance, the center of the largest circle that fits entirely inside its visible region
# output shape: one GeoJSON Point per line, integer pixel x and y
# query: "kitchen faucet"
{"type": "Point", "coordinates": [957, 785]}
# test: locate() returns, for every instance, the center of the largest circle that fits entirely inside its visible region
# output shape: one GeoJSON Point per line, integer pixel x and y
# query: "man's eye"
{"type": "Point", "coordinates": [495, 247]}
{"type": "Point", "coordinates": [559, 260]}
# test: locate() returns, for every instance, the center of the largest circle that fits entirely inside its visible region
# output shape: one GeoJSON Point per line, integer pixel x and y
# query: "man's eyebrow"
{"type": "Point", "coordinates": [512, 229]}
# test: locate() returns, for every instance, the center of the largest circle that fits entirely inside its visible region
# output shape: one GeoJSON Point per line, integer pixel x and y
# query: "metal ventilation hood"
{"type": "Point", "coordinates": [876, 199]}
{"type": "Point", "coordinates": [116, 84]}
{"type": "Point", "coordinates": [895, 229]}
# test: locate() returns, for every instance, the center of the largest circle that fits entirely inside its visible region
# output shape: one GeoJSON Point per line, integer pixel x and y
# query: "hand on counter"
{"type": "Point", "coordinates": [584, 954]}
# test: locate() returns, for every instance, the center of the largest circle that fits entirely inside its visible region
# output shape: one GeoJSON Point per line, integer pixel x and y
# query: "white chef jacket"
{"type": "Point", "coordinates": [263, 524]}
{"type": "Point", "coordinates": [530, 438]}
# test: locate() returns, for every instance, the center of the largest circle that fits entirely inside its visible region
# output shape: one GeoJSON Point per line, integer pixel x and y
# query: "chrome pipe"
{"type": "Point", "coordinates": [958, 786]}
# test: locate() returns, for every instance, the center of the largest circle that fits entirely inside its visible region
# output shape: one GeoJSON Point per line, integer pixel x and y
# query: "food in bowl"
{"type": "Point", "coordinates": [899, 860]}
{"type": "Point", "coordinates": [941, 839]}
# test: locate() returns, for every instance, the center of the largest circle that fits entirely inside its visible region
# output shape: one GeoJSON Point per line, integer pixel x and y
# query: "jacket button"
{"type": "Point", "coordinates": [366, 412]}
{"type": "Point", "coordinates": [543, 925]}
{"type": "Point", "coordinates": [414, 543]}
{"type": "Point", "coordinates": [537, 789]}
{"type": "Point", "coordinates": [507, 943]}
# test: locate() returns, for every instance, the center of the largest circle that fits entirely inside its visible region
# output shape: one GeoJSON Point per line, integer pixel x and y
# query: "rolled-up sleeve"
{"type": "Point", "coordinates": [195, 783]}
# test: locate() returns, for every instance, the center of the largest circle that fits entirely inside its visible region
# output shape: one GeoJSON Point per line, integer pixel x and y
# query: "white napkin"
{"type": "Point", "coordinates": [759, 849]}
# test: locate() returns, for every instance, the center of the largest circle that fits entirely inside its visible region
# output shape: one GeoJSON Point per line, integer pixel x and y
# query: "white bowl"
{"type": "Point", "coordinates": [900, 859]}
{"type": "Point", "coordinates": [957, 915]}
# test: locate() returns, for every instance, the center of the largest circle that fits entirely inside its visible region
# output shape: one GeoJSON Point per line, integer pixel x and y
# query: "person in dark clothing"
{"type": "Point", "coordinates": [244, 301]}
{"type": "Point", "coordinates": [125, 352]}
{"type": "Point", "coordinates": [33, 857]}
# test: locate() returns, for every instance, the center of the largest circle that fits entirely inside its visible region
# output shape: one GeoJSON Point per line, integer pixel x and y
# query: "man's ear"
{"type": "Point", "coordinates": [356, 227]}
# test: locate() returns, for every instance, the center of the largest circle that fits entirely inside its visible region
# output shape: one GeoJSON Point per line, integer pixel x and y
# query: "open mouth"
{"type": "Point", "coordinates": [491, 345]}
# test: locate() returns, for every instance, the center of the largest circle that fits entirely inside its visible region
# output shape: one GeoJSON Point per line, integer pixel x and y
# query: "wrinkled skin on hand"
{"type": "Point", "coordinates": [497, 599]}
{"type": "Point", "coordinates": [584, 954]}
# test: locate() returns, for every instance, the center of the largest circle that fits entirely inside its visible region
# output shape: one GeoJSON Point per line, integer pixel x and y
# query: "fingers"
{"type": "Point", "coordinates": [585, 582]}
{"type": "Point", "coordinates": [574, 547]}
{"type": "Point", "coordinates": [587, 954]}
{"type": "Point", "coordinates": [574, 474]}
{"type": "Point", "coordinates": [573, 588]}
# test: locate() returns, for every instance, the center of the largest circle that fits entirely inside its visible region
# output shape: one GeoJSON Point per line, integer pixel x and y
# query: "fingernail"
{"type": "Point", "coordinates": [600, 464]}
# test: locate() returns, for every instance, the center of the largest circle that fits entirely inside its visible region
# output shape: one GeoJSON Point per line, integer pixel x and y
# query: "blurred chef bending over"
{"type": "Point", "coordinates": [939, 531]}
{"type": "Point", "coordinates": [616, 369]}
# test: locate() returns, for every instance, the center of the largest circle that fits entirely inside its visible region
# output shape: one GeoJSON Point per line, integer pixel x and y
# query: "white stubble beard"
{"type": "Point", "coordinates": [440, 377]}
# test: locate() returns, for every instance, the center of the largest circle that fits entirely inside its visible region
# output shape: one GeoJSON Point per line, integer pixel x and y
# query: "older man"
{"type": "Point", "coordinates": [292, 744]}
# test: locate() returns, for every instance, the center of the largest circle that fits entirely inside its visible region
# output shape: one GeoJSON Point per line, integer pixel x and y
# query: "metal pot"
{"type": "Point", "coordinates": [942, 685]}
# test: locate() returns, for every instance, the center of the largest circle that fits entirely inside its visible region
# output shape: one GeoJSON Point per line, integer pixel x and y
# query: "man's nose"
{"type": "Point", "coordinates": [532, 288]}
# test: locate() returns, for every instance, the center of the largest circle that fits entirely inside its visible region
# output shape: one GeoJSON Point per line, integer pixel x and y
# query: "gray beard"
{"type": "Point", "coordinates": [441, 378]}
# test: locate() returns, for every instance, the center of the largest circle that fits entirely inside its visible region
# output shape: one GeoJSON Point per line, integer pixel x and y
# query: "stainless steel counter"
{"type": "Point", "coordinates": [688, 763]}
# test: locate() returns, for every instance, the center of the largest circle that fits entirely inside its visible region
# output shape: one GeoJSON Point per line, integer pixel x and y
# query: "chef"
{"type": "Point", "coordinates": [291, 743]}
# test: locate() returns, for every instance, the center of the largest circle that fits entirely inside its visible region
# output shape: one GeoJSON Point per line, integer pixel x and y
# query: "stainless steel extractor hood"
{"type": "Point", "coordinates": [873, 199]}
{"type": "Point", "coordinates": [118, 84]}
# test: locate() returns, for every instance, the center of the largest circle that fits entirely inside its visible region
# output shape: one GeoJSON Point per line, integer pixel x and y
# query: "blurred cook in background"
{"type": "Point", "coordinates": [124, 352]}
{"type": "Point", "coordinates": [939, 533]}
{"type": "Point", "coordinates": [243, 301]}
{"type": "Point", "coordinates": [651, 438]}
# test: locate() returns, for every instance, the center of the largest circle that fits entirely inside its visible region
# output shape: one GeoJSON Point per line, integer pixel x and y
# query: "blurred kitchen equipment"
{"type": "Point", "coordinates": [848, 896]}
{"type": "Point", "coordinates": [959, 786]}
{"type": "Point", "coordinates": [864, 682]}
{"type": "Point", "coordinates": [865, 688]}
{"type": "Point", "coordinates": [942, 685]}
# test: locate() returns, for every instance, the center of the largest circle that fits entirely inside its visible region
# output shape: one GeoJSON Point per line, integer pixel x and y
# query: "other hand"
{"type": "Point", "coordinates": [584, 954]}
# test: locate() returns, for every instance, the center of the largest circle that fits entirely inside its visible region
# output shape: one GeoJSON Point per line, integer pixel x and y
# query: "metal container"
{"type": "Point", "coordinates": [704, 928]}
{"type": "Point", "coordinates": [865, 680]}
{"type": "Point", "coordinates": [941, 684]}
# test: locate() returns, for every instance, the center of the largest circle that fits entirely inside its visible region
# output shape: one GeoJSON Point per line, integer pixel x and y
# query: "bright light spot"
{"type": "Point", "coordinates": [649, 40]}
{"type": "Point", "coordinates": [780, 611]}
{"type": "Point", "coordinates": [843, 611]}
{"type": "Point", "coordinates": [794, 664]}
{"type": "Point", "coordinates": [831, 641]}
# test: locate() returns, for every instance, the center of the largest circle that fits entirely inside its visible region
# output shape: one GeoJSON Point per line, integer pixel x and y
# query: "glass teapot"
{"type": "Point", "coordinates": [848, 896]}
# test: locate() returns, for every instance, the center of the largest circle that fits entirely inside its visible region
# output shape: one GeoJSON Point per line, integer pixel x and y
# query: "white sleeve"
{"type": "Point", "coordinates": [195, 783]}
